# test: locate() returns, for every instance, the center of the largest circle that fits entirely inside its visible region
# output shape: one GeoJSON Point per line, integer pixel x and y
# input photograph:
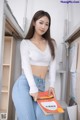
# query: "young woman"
{"type": "Point", "coordinates": [37, 59]}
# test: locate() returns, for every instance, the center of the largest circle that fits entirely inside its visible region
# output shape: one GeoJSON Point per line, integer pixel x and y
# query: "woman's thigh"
{"type": "Point", "coordinates": [23, 102]}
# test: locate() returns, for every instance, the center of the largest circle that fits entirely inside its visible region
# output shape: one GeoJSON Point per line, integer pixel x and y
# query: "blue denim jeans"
{"type": "Point", "coordinates": [26, 107]}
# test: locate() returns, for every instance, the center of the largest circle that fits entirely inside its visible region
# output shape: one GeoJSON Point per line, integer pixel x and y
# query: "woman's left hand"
{"type": "Point", "coordinates": [51, 91]}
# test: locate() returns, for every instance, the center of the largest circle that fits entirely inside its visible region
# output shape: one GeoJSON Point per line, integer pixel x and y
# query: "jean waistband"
{"type": "Point", "coordinates": [38, 77]}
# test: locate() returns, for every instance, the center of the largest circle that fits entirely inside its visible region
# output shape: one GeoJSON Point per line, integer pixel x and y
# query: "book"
{"type": "Point", "coordinates": [49, 104]}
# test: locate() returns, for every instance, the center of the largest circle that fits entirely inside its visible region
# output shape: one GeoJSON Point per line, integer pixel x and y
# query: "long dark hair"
{"type": "Point", "coordinates": [46, 35]}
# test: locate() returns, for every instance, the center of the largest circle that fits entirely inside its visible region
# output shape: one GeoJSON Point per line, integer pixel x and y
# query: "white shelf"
{"type": "Point", "coordinates": [6, 64]}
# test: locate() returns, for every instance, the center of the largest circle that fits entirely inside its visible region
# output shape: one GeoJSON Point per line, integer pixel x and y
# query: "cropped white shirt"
{"type": "Point", "coordinates": [32, 55]}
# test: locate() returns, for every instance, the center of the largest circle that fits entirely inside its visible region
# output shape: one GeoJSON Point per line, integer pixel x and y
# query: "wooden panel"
{"type": "Point", "coordinates": [78, 62]}
{"type": "Point", "coordinates": [7, 79]}
{"type": "Point", "coordinates": [6, 75]}
{"type": "Point", "coordinates": [7, 51]}
{"type": "Point", "coordinates": [4, 102]}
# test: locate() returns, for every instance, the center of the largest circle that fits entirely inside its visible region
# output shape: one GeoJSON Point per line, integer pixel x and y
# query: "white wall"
{"type": "Point", "coordinates": [73, 16]}
{"type": "Point", "coordinates": [18, 7]}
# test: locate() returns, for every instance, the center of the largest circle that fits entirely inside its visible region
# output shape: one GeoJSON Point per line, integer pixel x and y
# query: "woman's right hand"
{"type": "Point", "coordinates": [34, 95]}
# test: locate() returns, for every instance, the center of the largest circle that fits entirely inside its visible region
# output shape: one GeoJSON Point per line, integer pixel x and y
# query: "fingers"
{"type": "Point", "coordinates": [35, 99]}
{"type": "Point", "coordinates": [35, 96]}
{"type": "Point", "coordinates": [52, 91]}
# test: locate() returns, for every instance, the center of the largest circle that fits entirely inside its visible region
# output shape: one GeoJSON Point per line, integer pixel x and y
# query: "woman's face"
{"type": "Point", "coordinates": [41, 25]}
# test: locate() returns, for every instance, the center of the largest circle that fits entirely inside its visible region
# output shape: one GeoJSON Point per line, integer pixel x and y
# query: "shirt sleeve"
{"type": "Point", "coordinates": [52, 73]}
{"type": "Point", "coordinates": [52, 68]}
{"type": "Point", "coordinates": [25, 64]}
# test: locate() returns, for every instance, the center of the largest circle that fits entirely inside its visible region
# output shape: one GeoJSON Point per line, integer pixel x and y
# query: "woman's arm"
{"type": "Point", "coordinates": [52, 72]}
{"type": "Point", "coordinates": [25, 64]}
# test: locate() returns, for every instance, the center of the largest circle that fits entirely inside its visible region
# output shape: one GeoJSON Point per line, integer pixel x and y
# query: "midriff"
{"type": "Point", "coordinates": [39, 71]}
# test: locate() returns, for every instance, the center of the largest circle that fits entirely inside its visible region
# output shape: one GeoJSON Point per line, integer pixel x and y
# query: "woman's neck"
{"type": "Point", "coordinates": [37, 37]}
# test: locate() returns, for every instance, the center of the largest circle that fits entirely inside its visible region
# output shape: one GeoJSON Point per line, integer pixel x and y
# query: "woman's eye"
{"type": "Point", "coordinates": [41, 23]}
{"type": "Point", "coordinates": [47, 24]}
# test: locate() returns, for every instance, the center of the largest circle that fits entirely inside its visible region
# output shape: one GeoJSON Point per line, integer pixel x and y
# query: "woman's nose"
{"type": "Point", "coordinates": [43, 26]}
